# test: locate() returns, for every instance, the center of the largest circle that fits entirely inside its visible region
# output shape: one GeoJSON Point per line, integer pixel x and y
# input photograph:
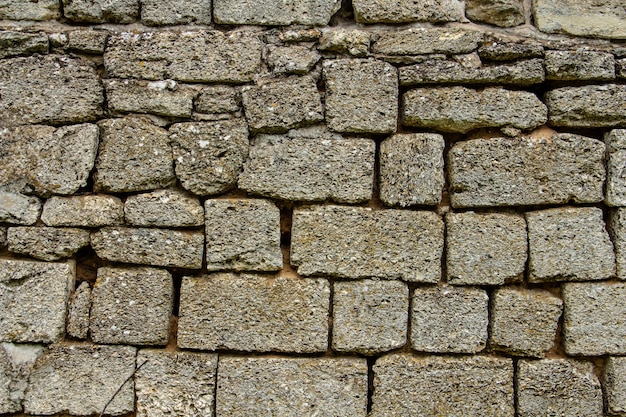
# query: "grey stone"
{"type": "Point", "coordinates": [369, 316]}
{"type": "Point", "coordinates": [164, 208]}
{"type": "Point", "coordinates": [551, 168]}
{"type": "Point", "coordinates": [254, 313]}
{"type": "Point", "coordinates": [503, 13]}
{"type": "Point", "coordinates": [357, 242]}
{"type": "Point", "coordinates": [402, 11]}
{"type": "Point", "coordinates": [16, 363]}
{"type": "Point", "coordinates": [406, 385]}
{"type": "Point", "coordinates": [163, 98]}
{"type": "Point", "coordinates": [524, 322]}
{"type": "Point", "coordinates": [217, 99]}
{"type": "Point", "coordinates": [17, 208]}
{"type": "Point", "coordinates": [485, 248]}
{"type": "Point", "coordinates": [293, 34]}
{"type": "Point", "coordinates": [569, 244]}
{"type": "Point", "coordinates": [29, 10]}
{"type": "Point", "coordinates": [292, 387]}
{"type": "Point", "coordinates": [616, 167]}
{"type": "Point", "coordinates": [100, 11]}
{"type": "Point", "coordinates": [411, 169]}
{"type": "Point", "coordinates": [159, 13]}
{"type": "Point", "coordinates": [57, 89]}
{"type": "Point", "coordinates": [617, 226]}
{"type": "Point", "coordinates": [134, 155]}
{"type": "Point", "coordinates": [281, 105]}
{"type": "Point", "coordinates": [80, 380]}
{"type": "Point", "coordinates": [587, 106]}
{"type": "Point", "coordinates": [83, 211]}
{"type": "Point", "coordinates": [194, 56]}
{"type": "Point", "coordinates": [461, 109]}
{"type": "Point", "coordinates": [615, 384]}
{"type": "Point", "coordinates": [20, 43]}
{"type": "Point", "coordinates": [3, 236]}
{"type": "Point", "coordinates": [46, 243]}
{"type": "Point", "coordinates": [131, 306]}
{"type": "Point", "coordinates": [579, 65]}
{"type": "Point", "coordinates": [503, 50]}
{"type": "Point", "coordinates": [345, 41]}
{"type": "Point", "coordinates": [78, 312]}
{"type": "Point", "coordinates": [175, 383]}
{"type": "Point", "coordinates": [352, 108]}
{"type": "Point", "coordinates": [160, 247]}
{"type": "Point", "coordinates": [620, 68]}
{"type": "Point", "coordinates": [310, 165]}
{"type": "Point", "coordinates": [33, 300]}
{"type": "Point", "coordinates": [87, 41]}
{"type": "Point", "coordinates": [560, 387]}
{"type": "Point", "coordinates": [274, 12]}
{"type": "Point", "coordinates": [420, 41]}
{"type": "Point", "coordinates": [209, 155]}
{"type": "Point", "coordinates": [294, 59]}
{"type": "Point", "coordinates": [242, 235]}
{"type": "Point", "coordinates": [593, 322]}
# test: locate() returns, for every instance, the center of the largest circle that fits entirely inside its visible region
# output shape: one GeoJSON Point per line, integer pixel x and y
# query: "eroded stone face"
{"type": "Point", "coordinates": [18, 43]}
{"type": "Point", "coordinates": [579, 65]}
{"type": "Point", "coordinates": [275, 12]}
{"type": "Point", "coordinates": [83, 211]}
{"type": "Point", "coordinates": [16, 363]}
{"type": "Point", "coordinates": [617, 226]}
{"type": "Point", "coordinates": [420, 41]}
{"type": "Point", "coordinates": [47, 243]}
{"type": "Point", "coordinates": [402, 11]}
{"type": "Point", "coordinates": [589, 106]}
{"type": "Point", "coordinates": [17, 208]}
{"type": "Point", "coordinates": [100, 11]}
{"type": "Point", "coordinates": [503, 13]}
{"type": "Point", "coordinates": [28, 10]}
{"type": "Point", "coordinates": [163, 98]}
{"type": "Point", "coordinates": [616, 167]}
{"type": "Point", "coordinates": [615, 384]}
{"type": "Point", "coordinates": [78, 312]}
{"type": "Point", "coordinates": [164, 208]}
{"type": "Point", "coordinates": [160, 13]}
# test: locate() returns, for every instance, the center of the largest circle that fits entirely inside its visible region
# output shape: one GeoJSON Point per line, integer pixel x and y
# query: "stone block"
{"type": "Point", "coordinates": [404, 11]}
{"type": "Point", "coordinates": [33, 300]}
{"type": "Point", "coordinates": [254, 313]}
{"type": "Point", "coordinates": [569, 244]}
{"type": "Point", "coordinates": [242, 235]}
{"type": "Point", "coordinates": [83, 211]}
{"type": "Point", "coordinates": [78, 312]}
{"type": "Point", "coordinates": [163, 98]}
{"type": "Point", "coordinates": [164, 208]}
{"type": "Point", "coordinates": [369, 316]}
{"type": "Point", "coordinates": [352, 107]}
{"type": "Point", "coordinates": [310, 165]}
{"type": "Point", "coordinates": [615, 385]}
{"type": "Point", "coordinates": [587, 106]}
{"type": "Point", "coordinates": [218, 99]}
{"type": "Point", "coordinates": [160, 13]}
{"type": "Point", "coordinates": [87, 41]}
{"type": "Point", "coordinates": [345, 41]}
{"type": "Point", "coordinates": [357, 242]}
{"type": "Point", "coordinates": [502, 49]}
{"type": "Point", "coordinates": [275, 12]}
{"type": "Point", "coordinates": [617, 227]}
{"type": "Point", "coordinates": [450, 386]}
{"type": "Point", "coordinates": [17, 208]}
{"type": "Point", "coordinates": [293, 59]}
{"type": "Point", "coordinates": [544, 169]}
{"type": "Point", "coordinates": [46, 243]}
{"type": "Point", "coordinates": [503, 13]}
{"type": "Point", "coordinates": [29, 10]}
{"type": "Point", "coordinates": [16, 363]}
{"type": "Point", "coordinates": [292, 387]}
{"type": "Point", "coordinates": [209, 155]}
{"type": "Point", "coordinates": [579, 65]}
{"type": "Point", "coordinates": [616, 167]}
{"type": "Point", "coordinates": [620, 68]}
{"type": "Point", "coordinates": [420, 41]}
{"type": "Point", "coordinates": [101, 11]}
{"type": "Point", "coordinates": [20, 43]}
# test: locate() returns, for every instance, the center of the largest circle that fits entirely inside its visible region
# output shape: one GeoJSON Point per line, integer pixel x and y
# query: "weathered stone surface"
{"type": "Point", "coordinates": [615, 384]}
{"type": "Point", "coordinates": [579, 65]}
{"type": "Point", "coordinates": [587, 106]}
{"type": "Point", "coordinates": [345, 41]}
{"type": "Point", "coordinates": [274, 12]}
{"type": "Point", "coordinates": [503, 13]}
{"type": "Point", "coordinates": [175, 383]}
{"type": "Point", "coordinates": [616, 167]}
{"type": "Point", "coordinates": [160, 247]}
{"type": "Point", "coordinates": [209, 156]}
{"type": "Point", "coordinates": [163, 98]}
{"type": "Point", "coordinates": [569, 244]}
{"type": "Point", "coordinates": [292, 387]}
{"type": "Point", "coordinates": [539, 169]}
{"type": "Point", "coordinates": [78, 312]}
{"type": "Point", "coordinates": [401, 11]}
{"type": "Point", "coordinates": [356, 242]}
{"type": "Point", "coordinates": [460, 109]}
{"type": "Point", "coordinates": [369, 316]}
{"type": "Point", "coordinates": [83, 211]}
{"type": "Point", "coordinates": [593, 322]}
{"type": "Point", "coordinates": [87, 41]}
{"type": "Point", "coordinates": [16, 362]}
{"type": "Point", "coordinates": [29, 10]}
{"type": "Point", "coordinates": [524, 322]}
{"type": "Point", "coordinates": [254, 313]}
{"type": "Point", "coordinates": [17, 208]}
{"type": "Point", "coordinates": [164, 208]}
{"type": "Point", "coordinates": [294, 59]}
{"type": "Point", "coordinates": [159, 13]}
{"type": "Point", "coordinates": [3, 236]}
{"type": "Point", "coordinates": [134, 155]}
{"type": "Point", "coordinates": [33, 300]}
{"type": "Point", "coordinates": [217, 99]}
{"type": "Point", "coordinates": [620, 67]}
{"type": "Point", "coordinates": [450, 386]}
{"type": "Point", "coordinates": [282, 105]}
{"type": "Point", "coordinates": [352, 108]}
{"type": "Point", "coordinates": [20, 43]}
{"type": "Point", "coordinates": [81, 379]}
{"type": "Point", "coordinates": [100, 11]}
{"type": "Point", "coordinates": [617, 225]}
{"type": "Point", "coordinates": [419, 41]}
{"type": "Point", "coordinates": [411, 169]}
{"type": "Point", "coordinates": [485, 248]}
{"type": "Point", "coordinates": [46, 243]}
{"type": "Point", "coordinates": [310, 165]}
{"type": "Point", "coordinates": [131, 306]}
{"type": "Point", "coordinates": [558, 387]}
{"type": "Point", "coordinates": [502, 50]}
{"type": "Point", "coordinates": [195, 56]}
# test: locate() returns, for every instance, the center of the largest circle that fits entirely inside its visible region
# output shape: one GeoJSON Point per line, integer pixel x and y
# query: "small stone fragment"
{"type": "Point", "coordinates": [420, 41]}
{"type": "Point", "coordinates": [217, 99]}
{"type": "Point", "coordinates": [579, 65]}
{"type": "Point", "coordinates": [274, 12]}
{"type": "Point", "coordinates": [87, 41]}
{"type": "Point", "coordinates": [29, 10]}
{"type": "Point", "coordinates": [295, 34]}
{"type": "Point", "coordinates": [503, 13]}
{"type": "Point", "coordinates": [616, 167]}
{"type": "Point", "coordinates": [101, 11]}
{"type": "Point", "coordinates": [615, 384]}
{"type": "Point", "coordinates": [20, 43]}
{"type": "Point", "coordinates": [617, 225]}
{"type": "Point", "coordinates": [180, 12]}
{"type": "Point", "coordinates": [17, 208]}
{"type": "Point", "coordinates": [78, 312]}
{"type": "Point", "coordinates": [587, 106]}
{"type": "Point", "coordinates": [46, 243]}
{"type": "Point", "coordinates": [620, 68]}
{"type": "Point", "coordinates": [291, 59]}
{"type": "Point", "coordinates": [403, 11]}
{"type": "Point", "coordinates": [164, 208]}
{"type": "Point", "coordinates": [83, 211]}
{"type": "Point", "coordinates": [353, 41]}
{"type": "Point", "coordinates": [502, 50]}
{"type": "Point", "coordinates": [16, 363]}
{"type": "Point", "coordinates": [163, 98]}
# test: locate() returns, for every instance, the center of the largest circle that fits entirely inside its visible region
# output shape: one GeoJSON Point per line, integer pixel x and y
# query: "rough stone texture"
{"type": "Point", "coordinates": [87, 41]}
{"type": "Point", "coordinates": [217, 99]}
{"type": "Point", "coordinates": [195, 56]}
{"type": "Point", "coordinates": [160, 247]}
{"type": "Point", "coordinates": [19, 43]}
{"type": "Point", "coordinates": [401, 11]}
{"type": "Point", "coordinates": [460, 109]}
{"type": "Point", "coordinates": [538, 169]}
{"type": "Point", "coordinates": [274, 12]}
{"type": "Point", "coordinates": [449, 319]}
{"type": "Point", "coordinates": [496, 49]}
{"type": "Point", "coordinates": [46, 243]}
{"type": "Point", "coordinates": [310, 165]}
{"type": "Point", "coordinates": [17, 208]}
{"type": "Point", "coordinates": [587, 106]}
{"type": "Point", "coordinates": [78, 312]}
{"type": "Point", "coordinates": [617, 225]}
{"type": "Point", "coordinates": [615, 384]}
{"type": "Point", "coordinates": [560, 387]}
{"type": "Point", "coordinates": [209, 155]}
{"type": "Point", "coordinates": [579, 65]}
{"type": "Point", "coordinates": [83, 211]}
{"type": "Point", "coordinates": [164, 208]}
{"type": "Point", "coordinates": [3, 236]}
{"type": "Point", "coordinates": [419, 41]}
{"type": "Point", "coordinates": [175, 383]}
{"type": "Point", "coordinates": [524, 322]}
{"type": "Point", "coordinates": [356, 242]}
{"type": "Point", "coordinates": [282, 105]}
{"type": "Point", "coordinates": [163, 98]}
{"type": "Point", "coordinates": [485, 248]}
{"type": "Point", "coordinates": [569, 244]}
{"type": "Point", "coordinates": [503, 13]}
{"type": "Point", "coordinates": [100, 11]}
{"type": "Point", "coordinates": [352, 108]}
{"type": "Point", "coordinates": [134, 155]}
{"type": "Point", "coordinates": [411, 169]}
{"type": "Point", "coordinates": [131, 306]}
{"type": "Point", "coordinates": [33, 300]}
{"type": "Point", "coordinates": [16, 362]}
{"type": "Point", "coordinates": [291, 59]}
{"type": "Point", "coordinates": [406, 385]}
{"type": "Point", "coordinates": [616, 167]}
{"type": "Point", "coordinates": [80, 380]}
{"type": "Point", "coordinates": [29, 10]}
{"type": "Point", "coordinates": [160, 13]}
{"type": "Point", "coordinates": [292, 387]}
{"type": "Point", "coordinates": [345, 41]}
{"type": "Point", "coordinates": [620, 68]}
{"type": "Point", "coordinates": [593, 322]}
{"type": "Point", "coordinates": [254, 313]}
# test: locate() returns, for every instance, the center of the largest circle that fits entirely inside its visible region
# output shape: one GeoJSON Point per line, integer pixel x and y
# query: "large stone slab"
{"type": "Point", "coordinates": [615, 384]}
{"type": "Point", "coordinates": [29, 10]}
{"type": "Point", "coordinates": [420, 41]}
{"type": "Point", "coordinates": [83, 211]}
{"type": "Point", "coordinates": [17, 208]}
{"type": "Point", "coordinates": [19, 43]}
{"type": "Point", "coordinates": [16, 363]}
{"type": "Point", "coordinates": [47, 243]}
{"type": "Point", "coordinates": [164, 208]}
{"type": "Point", "coordinates": [579, 65]}
{"type": "Point", "coordinates": [101, 11]}
{"type": "Point", "coordinates": [587, 106]}
{"type": "Point", "coordinates": [181, 12]}
{"type": "Point", "coordinates": [616, 167]}
{"type": "Point", "coordinates": [503, 13]}
{"type": "Point", "coordinates": [402, 11]}
{"type": "Point", "coordinates": [274, 12]}
{"type": "Point", "coordinates": [163, 98]}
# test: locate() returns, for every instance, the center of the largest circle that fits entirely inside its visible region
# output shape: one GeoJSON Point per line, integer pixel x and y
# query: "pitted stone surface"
{"type": "Point", "coordinates": [616, 167]}
{"type": "Point", "coordinates": [78, 312]}
{"type": "Point", "coordinates": [46, 243]}
{"type": "Point", "coordinates": [254, 313]}
{"type": "Point", "coordinates": [83, 211]}
{"type": "Point", "coordinates": [218, 99]}
{"type": "Point", "coordinates": [163, 98]}
{"type": "Point", "coordinates": [100, 11]}
{"type": "Point", "coordinates": [620, 68]}
{"type": "Point", "coordinates": [587, 106]}
{"type": "Point", "coordinates": [402, 11]}
{"type": "Point", "coordinates": [617, 226]}
{"type": "Point", "coordinates": [504, 50]}
{"type": "Point", "coordinates": [579, 65]}
{"type": "Point", "coordinates": [615, 384]}
{"type": "Point", "coordinates": [17, 208]}
{"type": "Point", "coordinates": [420, 41]}
{"type": "Point", "coordinates": [87, 41]}
{"type": "Point", "coordinates": [291, 59]}
{"type": "Point", "coordinates": [346, 41]}
{"type": "Point", "coordinates": [29, 10]}
{"type": "Point", "coordinates": [164, 208]}
{"type": "Point", "coordinates": [503, 13]}
{"type": "Point", "coordinates": [180, 12]}
{"type": "Point", "coordinates": [356, 242]}
{"type": "Point", "coordinates": [18, 43]}
{"type": "Point", "coordinates": [274, 12]}
{"type": "Point", "coordinates": [16, 363]}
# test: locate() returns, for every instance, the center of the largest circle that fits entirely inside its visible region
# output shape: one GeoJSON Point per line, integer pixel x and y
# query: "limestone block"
{"type": "Point", "coordinates": [87, 41]}
{"type": "Point", "coordinates": [504, 50]}
{"type": "Point", "coordinates": [16, 363]}
{"type": "Point", "coordinates": [83, 211]}
{"type": "Point", "coordinates": [100, 11]}
{"type": "Point", "coordinates": [616, 167]}
{"type": "Point", "coordinates": [17, 208]}
{"type": "Point", "coordinates": [503, 13]}
{"type": "Point", "coordinates": [29, 10]}
{"type": "Point", "coordinates": [275, 12]}
{"type": "Point", "coordinates": [419, 41]}
{"type": "Point", "coordinates": [617, 227]}
{"type": "Point", "coordinates": [294, 59]}
{"type": "Point", "coordinates": [164, 208]}
{"type": "Point", "coordinates": [615, 384]}
{"type": "Point", "coordinates": [345, 41]}
{"type": "Point", "coordinates": [163, 98]}
{"type": "Point", "coordinates": [160, 13]}
{"type": "Point", "coordinates": [579, 65]}
{"type": "Point", "coordinates": [46, 243]}
{"type": "Point", "coordinates": [402, 11]}
{"type": "Point", "coordinates": [78, 312]}
{"type": "Point", "coordinates": [20, 43]}
{"type": "Point", "coordinates": [587, 106]}
{"type": "Point", "coordinates": [217, 99]}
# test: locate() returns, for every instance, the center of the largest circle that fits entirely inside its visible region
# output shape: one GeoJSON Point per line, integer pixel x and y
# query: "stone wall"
{"type": "Point", "coordinates": [313, 208]}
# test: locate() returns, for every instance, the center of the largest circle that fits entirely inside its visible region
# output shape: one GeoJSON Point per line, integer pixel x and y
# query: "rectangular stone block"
{"type": "Point", "coordinates": [83, 211]}
{"type": "Point", "coordinates": [254, 313]}
{"type": "Point", "coordinates": [78, 312]}
{"type": "Point", "coordinates": [503, 13]}
{"type": "Point", "coordinates": [46, 243]}
{"type": "Point", "coordinates": [16, 208]}
{"type": "Point", "coordinates": [181, 12]}
{"type": "Point", "coordinates": [218, 99]}
{"type": "Point", "coordinates": [163, 98]}
{"type": "Point", "coordinates": [275, 12]}
{"type": "Point", "coordinates": [164, 208]}
{"type": "Point", "coordinates": [587, 106]}
{"type": "Point", "coordinates": [579, 65]}
{"type": "Point", "coordinates": [403, 11]}
{"type": "Point", "coordinates": [16, 363]}
{"type": "Point", "coordinates": [357, 242]}
{"type": "Point", "coordinates": [617, 227]}
{"type": "Point", "coordinates": [292, 387]}
{"type": "Point", "coordinates": [615, 384]}
{"type": "Point", "coordinates": [87, 41]}
{"type": "Point", "coordinates": [504, 49]}
{"type": "Point", "coordinates": [616, 167]}
{"type": "Point", "coordinates": [101, 11]}
{"type": "Point", "coordinates": [354, 42]}
{"type": "Point", "coordinates": [29, 10]}
{"type": "Point", "coordinates": [420, 41]}
{"type": "Point", "coordinates": [294, 59]}
{"type": "Point", "coordinates": [19, 43]}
